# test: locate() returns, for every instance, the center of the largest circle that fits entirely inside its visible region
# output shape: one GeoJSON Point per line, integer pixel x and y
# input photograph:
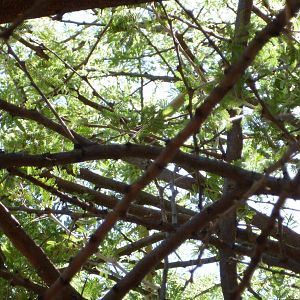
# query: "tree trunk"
{"type": "Point", "coordinates": [228, 223]}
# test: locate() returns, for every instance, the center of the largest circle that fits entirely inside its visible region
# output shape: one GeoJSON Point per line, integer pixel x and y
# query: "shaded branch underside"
{"type": "Point", "coordinates": [10, 10]}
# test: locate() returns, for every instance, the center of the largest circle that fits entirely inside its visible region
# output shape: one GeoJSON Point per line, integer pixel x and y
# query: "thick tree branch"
{"type": "Point", "coordinates": [260, 220]}
{"type": "Point", "coordinates": [10, 10]}
{"type": "Point", "coordinates": [114, 151]}
{"type": "Point", "coordinates": [17, 280]}
{"type": "Point", "coordinates": [34, 115]}
{"type": "Point", "coordinates": [36, 256]}
{"type": "Point", "coordinates": [228, 223]}
{"type": "Point", "coordinates": [137, 245]}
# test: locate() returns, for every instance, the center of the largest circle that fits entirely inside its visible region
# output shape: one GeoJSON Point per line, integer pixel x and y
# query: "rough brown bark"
{"type": "Point", "coordinates": [36, 256]}
{"type": "Point", "coordinates": [11, 9]}
{"type": "Point", "coordinates": [228, 223]}
{"type": "Point", "coordinates": [116, 151]}
{"type": "Point", "coordinates": [228, 264]}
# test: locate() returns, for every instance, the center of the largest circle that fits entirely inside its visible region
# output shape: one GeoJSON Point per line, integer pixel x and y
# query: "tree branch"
{"type": "Point", "coordinates": [10, 10]}
{"type": "Point", "coordinates": [36, 256]}
{"type": "Point", "coordinates": [115, 151]}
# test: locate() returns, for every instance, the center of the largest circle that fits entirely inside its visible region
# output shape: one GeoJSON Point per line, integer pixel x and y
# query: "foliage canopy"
{"type": "Point", "coordinates": [94, 108]}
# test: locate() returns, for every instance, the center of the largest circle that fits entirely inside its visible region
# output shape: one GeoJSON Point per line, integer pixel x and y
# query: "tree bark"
{"type": "Point", "coordinates": [11, 9]}
{"type": "Point", "coordinates": [228, 223]}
